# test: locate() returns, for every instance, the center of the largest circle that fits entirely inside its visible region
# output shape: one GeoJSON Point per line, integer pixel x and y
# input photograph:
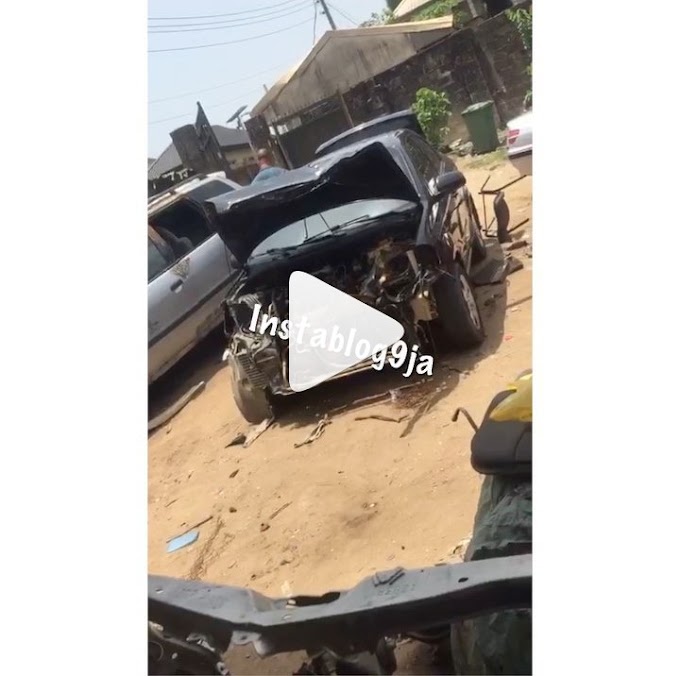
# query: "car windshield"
{"type": "Point", "coordinates": [328, 223]}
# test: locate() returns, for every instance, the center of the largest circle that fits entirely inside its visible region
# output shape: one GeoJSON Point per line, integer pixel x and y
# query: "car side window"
{"type": "Point", "coordinates": [426, 160]}
{"type": "Point", "coordinates": [158, 260]}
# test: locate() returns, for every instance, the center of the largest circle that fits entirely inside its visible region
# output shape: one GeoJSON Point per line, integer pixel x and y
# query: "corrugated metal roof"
{"type": "Point", "coordinates": [169, 158]}
{"type": "Point", "coordinates": [334, 47]}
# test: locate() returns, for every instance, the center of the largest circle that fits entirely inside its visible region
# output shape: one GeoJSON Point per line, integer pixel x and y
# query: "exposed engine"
{"type": "Point", "coordinates": [387, 277]}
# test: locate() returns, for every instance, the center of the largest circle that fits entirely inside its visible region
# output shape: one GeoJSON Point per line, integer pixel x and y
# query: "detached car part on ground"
{"type": "Point", "coordinates": [188, 270]}
{"type": "Point", "coordinates": [388, 221]}
{"type": "Point", "coordinates": [481, 608]}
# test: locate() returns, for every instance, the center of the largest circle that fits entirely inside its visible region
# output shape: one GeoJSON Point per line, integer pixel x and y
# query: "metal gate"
{"type": "Point", "coordinates": [307, 130]}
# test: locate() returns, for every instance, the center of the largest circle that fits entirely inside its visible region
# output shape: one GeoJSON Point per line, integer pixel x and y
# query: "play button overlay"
{"type": "Point", "coordinates": [330, 332]}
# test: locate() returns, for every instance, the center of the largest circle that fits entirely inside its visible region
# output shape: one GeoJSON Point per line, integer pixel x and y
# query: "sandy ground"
{"type": "Point", "coordinates": [365, 496]}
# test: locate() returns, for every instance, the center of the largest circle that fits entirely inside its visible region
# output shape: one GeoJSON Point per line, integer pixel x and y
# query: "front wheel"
{"type": "Point", "coordinates": [252, 402]}
{"type": "Point", "coordinates": [459, 315]}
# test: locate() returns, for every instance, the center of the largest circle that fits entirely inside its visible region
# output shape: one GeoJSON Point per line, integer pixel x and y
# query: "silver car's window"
{"type": "Point", "coordinates": [157, 262]}
{"type": "Point", "coordinates": [209, 190]}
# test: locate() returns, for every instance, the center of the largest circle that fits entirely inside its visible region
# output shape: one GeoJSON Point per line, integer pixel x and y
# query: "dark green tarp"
{"type": "Point", "coordinates": [499, 643]}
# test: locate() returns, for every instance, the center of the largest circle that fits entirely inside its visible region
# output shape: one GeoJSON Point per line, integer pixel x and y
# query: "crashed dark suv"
{"type": "Point", "coordinates": [387, 220]}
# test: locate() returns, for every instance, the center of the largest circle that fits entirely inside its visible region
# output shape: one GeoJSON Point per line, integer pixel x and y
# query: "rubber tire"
{"type": "Point", "coordinates": [252, 402]}
{"type": "Point", "coordinates": [479, 251]}
{"type": "Point", "coordinates": [459, 329]}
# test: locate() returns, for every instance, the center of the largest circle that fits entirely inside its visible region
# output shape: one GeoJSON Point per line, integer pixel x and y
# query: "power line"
{"type": "Point", "coordinates": [217, 16]}
{"type": "Point", "coordinates": [218, 25]}
{"type": "Point", "coordinates": [316, 15]}
{"type": "Point", "coordinates": [342, 14]}
{"type": "Point", "coordinates": [221, 86]}
{"type": "Point", "coordinates": [229, 42]}
{"type": "Point", "coordinates": [208, 107]}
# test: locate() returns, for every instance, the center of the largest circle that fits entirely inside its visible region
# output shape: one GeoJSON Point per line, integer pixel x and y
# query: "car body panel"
{"type": "Point", "coordinates": [371, 169]}
{"type": "Point", "coordinates": [184, 301]}
{"type": "Point", "coordinates": [187, 187]}
{"type": "Point", "coordinates": [520, 143]}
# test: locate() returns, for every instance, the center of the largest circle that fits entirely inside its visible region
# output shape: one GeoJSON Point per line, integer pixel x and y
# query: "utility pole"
{"type": "Point", "coordinates": [331, 21]}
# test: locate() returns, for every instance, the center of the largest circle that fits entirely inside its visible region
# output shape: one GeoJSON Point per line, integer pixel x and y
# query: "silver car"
{"type": "Point", "coordinates": [188, 269]}
{"type": "Point", "coordinates": [520, 143]}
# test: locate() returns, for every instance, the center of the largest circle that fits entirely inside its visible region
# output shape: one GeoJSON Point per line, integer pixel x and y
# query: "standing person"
{"type": "Point", "coordinates": [268, 169]}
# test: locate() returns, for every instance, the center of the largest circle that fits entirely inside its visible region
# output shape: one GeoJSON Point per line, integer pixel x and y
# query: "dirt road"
{"type": "Point", "coordinates": [367, 494]}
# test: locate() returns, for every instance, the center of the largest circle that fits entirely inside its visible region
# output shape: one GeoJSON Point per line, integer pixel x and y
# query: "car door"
{"type": "Point", "coordinates": [185, 300]}
{"type": "Point", "coordinates": [448, 214]}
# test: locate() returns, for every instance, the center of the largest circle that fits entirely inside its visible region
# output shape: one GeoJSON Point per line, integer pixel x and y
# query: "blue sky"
{"type": "Point", "coordinates": [225, 77]}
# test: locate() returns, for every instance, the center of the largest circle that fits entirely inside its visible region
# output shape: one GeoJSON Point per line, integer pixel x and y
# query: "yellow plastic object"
{"type": "Point", "coordinates": [518, 406]}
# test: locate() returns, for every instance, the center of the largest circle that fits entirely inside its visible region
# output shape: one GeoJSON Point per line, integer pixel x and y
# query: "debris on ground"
{"type": "Point", "coordinates": [513, 246]}
{"type": "Point", "coordinates": [264, 527]}
{"type": "Point", "coordinates": [238, 440]}
{"type": "Point", "coordinates": [409, 396]}
{"type": "Point", "coordinates": [232, 510]}
{"type": "Point", "coordinates": [279, 510]}
{"type": "Point", "coordinates": [188, 537]}
{"type": "Point", "coordinates": [458, 552]}
{"type": "Point", "coordinates": [173, 410]}
{"type": "Point", "coordinates": [182, 541]}
{"type": "Point", "coordinates": [455, 369]}
{"type": "Point", "coordinates": [257, 432]}
{"type": "Point", "coordinates": [420, 412]}
{"type": "Point", "coordinates": [234, 473]}
{"type": "Point", "coordinates": [316, 432]}
{"type": "Point", "coordinates": [364, 402]}
{"type": "Point", "coordinates": [383, 418]}
{"type": "Point", "coordinates": [468, 417]}
{"type": "Point", "coordinates": [513, 265]}
{"type": "Point", "coordinates": [465, 149]}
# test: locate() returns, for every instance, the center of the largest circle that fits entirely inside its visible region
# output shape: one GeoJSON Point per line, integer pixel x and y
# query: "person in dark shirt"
{"type": "Point", "coordinates": [268, 169]}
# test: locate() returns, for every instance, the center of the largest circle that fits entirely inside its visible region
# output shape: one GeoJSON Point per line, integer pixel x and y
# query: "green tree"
{"type": "Point", "coordinates": [441, 8]}
{"type": "Point", "coordinates": [433, 110]}
{"type": "Point", "coordinates": [379, 19]}
{"type": "Point", "coordinates": [523, 20]}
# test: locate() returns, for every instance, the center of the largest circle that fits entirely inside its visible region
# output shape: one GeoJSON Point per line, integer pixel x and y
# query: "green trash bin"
{"type": "Point", "coordinates": [481, 125]}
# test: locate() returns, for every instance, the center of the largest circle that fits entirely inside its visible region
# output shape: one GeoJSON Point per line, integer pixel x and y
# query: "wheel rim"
{"type": "Point", "coordinates": [470, 302]}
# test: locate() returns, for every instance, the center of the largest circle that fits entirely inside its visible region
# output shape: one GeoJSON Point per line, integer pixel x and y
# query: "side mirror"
{"type": "Point", "coordinates": [448, 183]}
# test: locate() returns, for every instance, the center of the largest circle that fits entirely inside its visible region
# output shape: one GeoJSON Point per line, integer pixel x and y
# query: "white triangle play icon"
{"type": "Point", "coordinates": [330, 332]}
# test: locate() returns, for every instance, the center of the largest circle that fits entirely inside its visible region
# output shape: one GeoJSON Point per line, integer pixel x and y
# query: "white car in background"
{"type": "Point", "coordinates": [520, 143]}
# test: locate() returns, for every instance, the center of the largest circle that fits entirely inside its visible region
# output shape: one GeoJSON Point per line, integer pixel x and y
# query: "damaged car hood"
{"type": "Point", "coordinates": [247, 217]}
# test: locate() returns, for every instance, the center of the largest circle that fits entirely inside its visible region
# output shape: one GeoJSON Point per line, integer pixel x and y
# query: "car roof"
{"type": "Point", "coordinates": [184, 189]}
{"type": "Point", "coordinates": [390, 139]}
{"type": "Point", "coordinates": [362, 127]}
